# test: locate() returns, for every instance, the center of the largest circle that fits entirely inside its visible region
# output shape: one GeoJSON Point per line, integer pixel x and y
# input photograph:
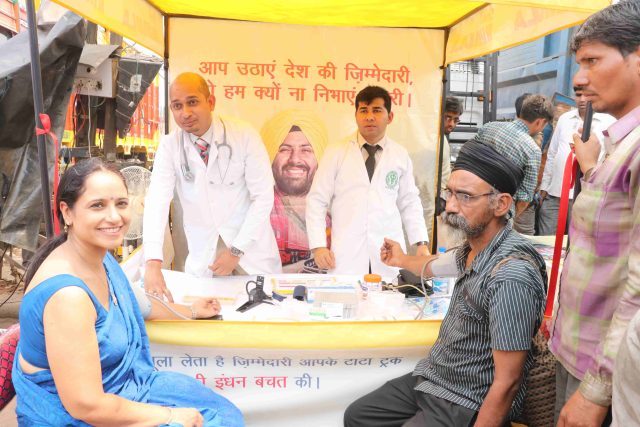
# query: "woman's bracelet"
{"type": "Point", "coordinates": [194, 314]}
{"type": "Point", "coordinates": [170, 419]}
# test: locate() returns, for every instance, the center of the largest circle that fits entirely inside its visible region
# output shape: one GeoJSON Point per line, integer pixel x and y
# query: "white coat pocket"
{"type": "Point", "coordinates": [228, 173]}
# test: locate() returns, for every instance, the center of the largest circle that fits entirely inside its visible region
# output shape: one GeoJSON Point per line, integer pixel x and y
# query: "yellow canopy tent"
{"type": "Point", "coordinates": [474, 28]}
{"type": "Point", "coordinates": [461, 29]}
{"type": "Point", "coordinates": [469, 29]}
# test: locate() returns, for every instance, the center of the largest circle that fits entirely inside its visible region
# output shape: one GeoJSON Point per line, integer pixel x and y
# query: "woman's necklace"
{"type": "Point", "coordinates": [113, 295]}
{"type": "Point", "coordinates": [99, 273]}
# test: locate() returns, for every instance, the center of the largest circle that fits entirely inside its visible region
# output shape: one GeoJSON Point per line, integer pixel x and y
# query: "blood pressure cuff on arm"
{"type": "Point", "coordinates": [445, 265]}
{"type": "Point", "coordinates": [141, 297]}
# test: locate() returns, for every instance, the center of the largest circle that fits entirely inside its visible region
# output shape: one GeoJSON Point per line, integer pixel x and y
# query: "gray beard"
{"type": "Point", "coordinates": [457, 222]}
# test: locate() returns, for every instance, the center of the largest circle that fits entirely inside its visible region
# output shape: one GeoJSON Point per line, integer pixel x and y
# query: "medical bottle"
{"type": "Point", "coordinates": [440, 284]}
{"type": "Point", "coordinates": [372, 283]}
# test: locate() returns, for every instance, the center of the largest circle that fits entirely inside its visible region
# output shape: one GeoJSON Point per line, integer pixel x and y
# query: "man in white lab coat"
{"type": "Point", "coordinates": [366, 183]}
{"type": "Point", "coordinates": [222, 175]}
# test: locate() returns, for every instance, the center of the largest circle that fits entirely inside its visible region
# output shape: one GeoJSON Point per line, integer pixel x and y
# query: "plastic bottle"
{"type": "Point", "coordinates": [372, 283]}
{"type": "Point", "coordinates": [440, 284]}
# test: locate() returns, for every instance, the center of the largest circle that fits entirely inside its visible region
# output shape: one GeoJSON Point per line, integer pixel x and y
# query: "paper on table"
{"type": "Point", "coordinates": [185, 288]}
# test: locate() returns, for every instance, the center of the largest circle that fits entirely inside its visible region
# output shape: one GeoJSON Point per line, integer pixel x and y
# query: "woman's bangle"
{"type": "Point", "coordinates": [194, 314]}
{"type": "Point", "coordinates": [170, 419]}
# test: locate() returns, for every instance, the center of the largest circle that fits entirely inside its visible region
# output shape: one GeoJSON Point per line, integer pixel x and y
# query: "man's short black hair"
{"type": "Point", "coordinates": [537, 107]}
{"type": "Point", "coordinates": [369, 93]}
{"type": "Point", "coordinates": [617, 26]}
{"type": "Point", "coordinates": [519, 101]}
{"type": "Point", "coordinates": [453, 105]}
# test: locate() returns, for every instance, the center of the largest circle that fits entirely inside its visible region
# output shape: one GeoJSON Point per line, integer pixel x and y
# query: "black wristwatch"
{"type": "Point", "coordinates": [236, 252]}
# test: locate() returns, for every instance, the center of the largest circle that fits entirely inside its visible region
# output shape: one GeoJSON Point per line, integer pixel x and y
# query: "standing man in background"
{"type": "Point", "coordinates": [514, 140]}
{"type": "Point", "coordinates": [447, 236]}
{"type": "Point", "coordinates": [366, 184]}
{"type": "Point", "coordinates": [220, 169]}
{"type": "Point", "coordinates": [559, 149]}
{"type": "Point", "coordinates": [452, 112]}
{"type": "Point", "coordinates": [519, 102]}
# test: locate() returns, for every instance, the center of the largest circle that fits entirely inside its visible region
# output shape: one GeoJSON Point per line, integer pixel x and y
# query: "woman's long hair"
{"type": "Point", "coordinates": [70, 188]}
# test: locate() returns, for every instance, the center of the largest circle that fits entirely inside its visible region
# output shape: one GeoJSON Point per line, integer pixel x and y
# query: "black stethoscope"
{"type": "Point", "coordinates": [184, 164]}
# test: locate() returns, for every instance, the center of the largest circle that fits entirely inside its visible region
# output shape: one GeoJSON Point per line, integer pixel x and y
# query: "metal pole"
{"type": "Point", "coordinates": [166, 74]}
{"type": "Point", "coordinates": [493, 93]}
{"type": "Point", "coordinates": [36, 82]}
{"type": "Point", "coordinates": [110, 129]}
{"type": "Point", "coordinates": [446, 83]}
{"type": "Point", "coordinates": [486, 89]}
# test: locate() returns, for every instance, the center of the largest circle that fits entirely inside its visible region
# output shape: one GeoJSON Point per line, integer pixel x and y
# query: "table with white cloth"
{"type": "Point", "coordinates": [277, 366]}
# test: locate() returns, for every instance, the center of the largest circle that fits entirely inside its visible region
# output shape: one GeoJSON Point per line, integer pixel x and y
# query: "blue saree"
{"type": "Point", "coordinates": [127, 369]}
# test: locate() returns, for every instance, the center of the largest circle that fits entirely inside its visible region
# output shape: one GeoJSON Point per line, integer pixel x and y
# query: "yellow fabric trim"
{"type": "Point", "coordinates": [288, 335]}
{"type": "Point", "coordinates": [134, 19]}
{"type": "Point", "coordinates": [492, 50]}
{"type": "Point", "coordinates": [370, 13]}
{"type": "Point", "coordinates": [500, 26]}
{"type": "Point", "coordinates": [572, 5]}
{"type": "Point", "coordinates": [142, 20]}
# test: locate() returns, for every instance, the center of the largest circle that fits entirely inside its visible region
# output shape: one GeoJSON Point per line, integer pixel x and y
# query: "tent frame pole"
{"type": "Point", "coordinates": [165, 61]}
{"type": "Point", "coordinates": [38, 103]}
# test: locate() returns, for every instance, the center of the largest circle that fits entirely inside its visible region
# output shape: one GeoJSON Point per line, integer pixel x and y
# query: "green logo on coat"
{"type": "Point", "coordinates": [392, 180]}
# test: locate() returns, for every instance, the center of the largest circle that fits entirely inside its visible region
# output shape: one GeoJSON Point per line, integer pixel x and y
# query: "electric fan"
{"type": "Point", "coordinates": [137, 179]}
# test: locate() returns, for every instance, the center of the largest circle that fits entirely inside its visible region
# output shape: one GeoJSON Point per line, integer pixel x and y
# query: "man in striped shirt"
{"type": "Point", "coordinates": [473, 374]}
{"type": "Point", "coordinates": [600, 283]}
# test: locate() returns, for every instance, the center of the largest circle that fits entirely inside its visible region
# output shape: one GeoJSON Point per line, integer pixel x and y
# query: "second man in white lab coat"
{"type": "Point", "coordinates": [221, 171]}
{"type": "Point", "coordinates": [366, 183]}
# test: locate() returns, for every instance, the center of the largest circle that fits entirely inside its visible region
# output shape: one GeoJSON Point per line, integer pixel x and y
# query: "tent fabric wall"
{"type": "Point", "coordinates": [370, 13]}
{"type": "Point", "coordinates": [136, 20]}
{"type": "Point", "coordinates": [500, 26]}
{"type": "Point", "coordinates": [142, 20]}
{"type": "Point", "coordinates": [268, 48]}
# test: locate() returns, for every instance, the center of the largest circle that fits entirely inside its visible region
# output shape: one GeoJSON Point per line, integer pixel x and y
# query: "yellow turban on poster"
{"type": "Point", "coordinates": [275, 130]}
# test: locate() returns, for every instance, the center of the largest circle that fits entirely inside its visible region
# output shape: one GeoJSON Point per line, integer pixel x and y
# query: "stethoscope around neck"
{"type": "Point", "coordinates": [184, 163]}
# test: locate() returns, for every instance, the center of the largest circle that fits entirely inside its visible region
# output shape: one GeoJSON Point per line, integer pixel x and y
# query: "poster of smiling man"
{"type": "Point", "coordinates": [295, 140]}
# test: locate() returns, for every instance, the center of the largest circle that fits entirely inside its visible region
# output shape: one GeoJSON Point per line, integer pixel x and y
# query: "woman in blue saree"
{"type": "Point", "coordinates": [83, 356]}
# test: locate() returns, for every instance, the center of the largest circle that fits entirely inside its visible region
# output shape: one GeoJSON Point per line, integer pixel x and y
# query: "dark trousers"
{"type": "Point", "coordinates": [547, 216]}
{"type": "Point", "coordinates": [525, 223]}
{"type": "Point", "coordinates": [397, 404]}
